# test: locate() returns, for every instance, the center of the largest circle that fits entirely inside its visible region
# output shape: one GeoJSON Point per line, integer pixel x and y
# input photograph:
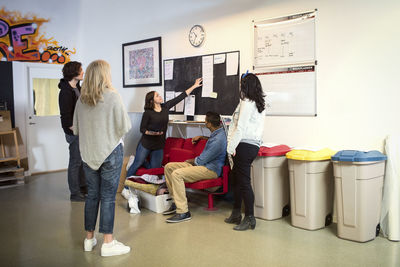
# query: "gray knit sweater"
{"type": "Point", "coordinates": [100, 128]}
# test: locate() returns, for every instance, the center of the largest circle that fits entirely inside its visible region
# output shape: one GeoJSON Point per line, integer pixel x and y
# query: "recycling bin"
{"type": "Point", "coordinates": [311, 188]}
{"type": "Point", "coordinates": [270, 181]}
{"type": "Point", "coordinates": [358, 186]}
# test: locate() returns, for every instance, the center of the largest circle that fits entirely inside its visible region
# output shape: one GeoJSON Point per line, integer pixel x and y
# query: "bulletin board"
{"type": "Point", "coordinates": [181, 73]}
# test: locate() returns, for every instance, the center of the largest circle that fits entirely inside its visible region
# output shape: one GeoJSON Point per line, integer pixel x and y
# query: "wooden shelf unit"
{"type": "Point", "coordinates": [17, 157]}
{"type": "Point", "coordinates": [10, 175]}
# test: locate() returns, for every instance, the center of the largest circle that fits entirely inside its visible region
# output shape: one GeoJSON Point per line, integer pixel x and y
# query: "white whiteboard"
{"type": "Point", "coordinates": [290, 91]}
{"type": "Point", "coordinates": [285, 41]}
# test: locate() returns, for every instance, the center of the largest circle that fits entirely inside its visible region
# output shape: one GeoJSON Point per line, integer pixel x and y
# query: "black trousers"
{"type": "Point", "coordinates": [245, 154]}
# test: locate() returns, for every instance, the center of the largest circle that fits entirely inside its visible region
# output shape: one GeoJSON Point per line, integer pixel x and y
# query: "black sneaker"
{"type": "Point", "coordinates": [78, 198]}
{"type": "Point", "coordinates": [180, 217]}
{"type": "Point", "coordinates": [84, 190]}
{"type": "Point", "coordinates": [171, 210]}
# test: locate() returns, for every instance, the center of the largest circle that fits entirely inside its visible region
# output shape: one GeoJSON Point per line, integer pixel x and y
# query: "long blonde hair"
{"type": "Point", "coordinates": [97, 80]}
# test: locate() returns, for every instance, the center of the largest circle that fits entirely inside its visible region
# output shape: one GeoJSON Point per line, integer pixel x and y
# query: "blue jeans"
{"type": "Point", "coordinates": [102, 187]}
{"type": "Point", "coordinates": [156, 157]}
{"type": "Point", "coordinates": [76, 177]}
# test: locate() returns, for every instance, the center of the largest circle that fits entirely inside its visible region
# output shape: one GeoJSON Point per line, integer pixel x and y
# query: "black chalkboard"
{"type": "Point", "coordinates": [188, 69]}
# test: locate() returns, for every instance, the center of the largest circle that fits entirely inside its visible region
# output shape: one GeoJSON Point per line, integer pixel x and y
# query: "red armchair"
{"type": "Point", "coordinates": [204, 184]}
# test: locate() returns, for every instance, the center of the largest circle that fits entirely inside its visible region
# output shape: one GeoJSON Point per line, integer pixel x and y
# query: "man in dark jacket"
{"type": "Point", "coordinates": [69, 94]}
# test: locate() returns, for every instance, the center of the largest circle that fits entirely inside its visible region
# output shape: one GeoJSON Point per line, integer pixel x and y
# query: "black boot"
{"type": "Point", "coordinates": [235, 218]}
{"type": "Point", "coordinates": [248, 222]}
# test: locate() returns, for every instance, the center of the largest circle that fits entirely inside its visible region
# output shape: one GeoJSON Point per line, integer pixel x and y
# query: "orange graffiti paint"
{"type": "Point", "coordinates": [20, 40]}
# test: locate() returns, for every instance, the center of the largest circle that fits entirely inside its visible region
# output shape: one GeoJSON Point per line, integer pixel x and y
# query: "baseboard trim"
{"type": "Point", "coordinates": [39, 173]}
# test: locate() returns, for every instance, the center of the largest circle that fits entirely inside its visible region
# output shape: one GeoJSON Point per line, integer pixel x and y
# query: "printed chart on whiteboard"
{"type": "Point", "coordinates": [290, 91]}
{"type": "Point", "coordinates": [285, 41]}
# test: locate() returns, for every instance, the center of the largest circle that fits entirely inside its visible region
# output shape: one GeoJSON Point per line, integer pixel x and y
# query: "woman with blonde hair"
{"type": "Point", "coordinates": [101, 121]}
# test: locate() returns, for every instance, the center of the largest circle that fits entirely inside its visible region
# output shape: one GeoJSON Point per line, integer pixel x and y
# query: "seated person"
{"type": "Point", "coordinates": [206, 166]}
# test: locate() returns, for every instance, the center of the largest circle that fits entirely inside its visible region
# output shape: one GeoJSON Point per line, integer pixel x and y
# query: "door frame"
{"type": "Point", "coordinates": [29, 107]}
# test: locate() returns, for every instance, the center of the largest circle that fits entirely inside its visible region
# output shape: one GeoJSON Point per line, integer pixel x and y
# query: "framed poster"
{"type": "Point", "coordinates": [141, 63]}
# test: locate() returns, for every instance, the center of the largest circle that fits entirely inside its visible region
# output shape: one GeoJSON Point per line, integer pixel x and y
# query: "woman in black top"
{"type": "Point", "coordinates": [153, 127]}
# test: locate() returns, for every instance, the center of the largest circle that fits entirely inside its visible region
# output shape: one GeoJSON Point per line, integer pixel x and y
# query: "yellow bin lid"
{"type": "Point", "coordinates": [301, 154]}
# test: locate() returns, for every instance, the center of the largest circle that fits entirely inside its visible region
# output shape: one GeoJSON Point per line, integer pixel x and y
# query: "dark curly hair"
{"type": "Point", "coordinates": [213, 118]}
{"type": "Point", "coordinates": [149, 100]}
{"type": "Point", "coordinates": [71, 70]}
{"type": "Point", "coordinates": [250, 88]}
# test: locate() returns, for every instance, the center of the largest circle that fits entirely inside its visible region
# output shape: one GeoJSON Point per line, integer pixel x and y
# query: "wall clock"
{"type": "Point", "coordinates": [196, 35]}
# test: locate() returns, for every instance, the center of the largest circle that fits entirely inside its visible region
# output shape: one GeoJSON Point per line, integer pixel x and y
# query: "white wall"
{"type": "Point", "coordinates": [357, 43]}
{"type": "Point", "coordinates": [21, 100]}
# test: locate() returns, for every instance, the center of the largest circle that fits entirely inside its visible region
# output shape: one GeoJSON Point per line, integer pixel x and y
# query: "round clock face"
{"type": "Point", "coordinates": [196, 35]}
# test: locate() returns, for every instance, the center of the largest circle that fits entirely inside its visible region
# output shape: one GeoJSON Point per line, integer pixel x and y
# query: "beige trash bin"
{"type": "Point", "coordinates": [311, 188]}
{"type": "Point", "coordinates": [358, 186]}
{"type": "Point", "coordinates": [270, 181]}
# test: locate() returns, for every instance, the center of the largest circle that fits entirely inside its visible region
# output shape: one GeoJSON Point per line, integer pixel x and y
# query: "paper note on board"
{"type": "Point", "coordinates": [208, 73]}
{"type": "Point", "coordinates": [180, 105]}
{"type": "Point", "coordinates": [169, 70]}
{"type": "Point", "coordinates": [218, 59]}
{"type": "Point", "coordinates": [168, 96]}
{"type": "Point", "coordinates": [189, 105]}
{"type": "Point", "coordinates": [213, 95]}
{"type": "Point", "coordinates": [232, 63]}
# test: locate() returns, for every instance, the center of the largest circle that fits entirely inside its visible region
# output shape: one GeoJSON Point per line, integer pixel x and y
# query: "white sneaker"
{"type": "Point", "coordinates": [114, 248]}
{"type": "Point", "coordinates": [126, 193]}
{"type": "Point", "coordinates": [88, 244]}
{"type": "Point", "coordinates": [133, 204]}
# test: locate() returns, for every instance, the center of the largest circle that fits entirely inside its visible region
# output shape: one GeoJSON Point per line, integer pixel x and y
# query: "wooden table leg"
{"type": "Point", "coordinates": [2, 147]}
{"type": "Point", "coordinates": [17, 149]}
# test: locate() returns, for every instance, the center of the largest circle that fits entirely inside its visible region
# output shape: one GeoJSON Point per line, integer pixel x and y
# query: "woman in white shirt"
{"type": "Point", "coordinates": [101, 121]}
{"type": "Point", "coordinates": [244, 141]}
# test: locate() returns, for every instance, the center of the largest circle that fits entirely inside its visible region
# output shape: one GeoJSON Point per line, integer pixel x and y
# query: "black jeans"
{"type": "Point", "coordinates": [242, 190]}
{"type": "Point", "coordinates": [76, 177]}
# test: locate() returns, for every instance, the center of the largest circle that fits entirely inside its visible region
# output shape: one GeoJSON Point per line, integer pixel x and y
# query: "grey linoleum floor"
{"type": "Point", "coordinates": [41, 227]}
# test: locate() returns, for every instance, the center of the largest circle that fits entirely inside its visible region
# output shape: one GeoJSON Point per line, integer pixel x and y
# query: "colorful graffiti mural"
{"type": "Point", "coordinates": [20, 40]}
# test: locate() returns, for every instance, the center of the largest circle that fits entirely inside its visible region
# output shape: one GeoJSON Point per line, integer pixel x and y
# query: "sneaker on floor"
{"type": "Point", "coordinates": [78, 197]}
{"type": "Point", "coordinates": [126, 193]}
{"type": "Point", "coordinates": [114, 248]}
{"type": "Point", "coordinates": [171, 210]}
{"type": "Point", "coordinates": [88, 244]}
{"type": "Point", "coordinates": [179, 217]}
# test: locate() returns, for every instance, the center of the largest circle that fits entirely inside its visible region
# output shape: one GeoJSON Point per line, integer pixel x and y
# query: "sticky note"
{"type": "Point", "coordinates": [213, 95]}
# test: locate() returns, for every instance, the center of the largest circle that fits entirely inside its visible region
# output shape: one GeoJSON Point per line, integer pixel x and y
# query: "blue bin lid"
{"type": "Point", "coordinates": [358, 156]}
